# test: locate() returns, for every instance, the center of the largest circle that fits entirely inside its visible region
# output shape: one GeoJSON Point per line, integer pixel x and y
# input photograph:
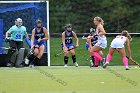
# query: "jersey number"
{"type": "Point", "coordinates": [68, 41]}
{"type": "Point", "coordinates": [18, 36]}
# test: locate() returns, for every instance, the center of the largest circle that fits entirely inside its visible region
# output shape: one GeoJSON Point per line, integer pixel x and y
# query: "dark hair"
{"type": "Point", "coordinates": [38, 21]}
{"type": "Point", "coordinates": [68, 25]}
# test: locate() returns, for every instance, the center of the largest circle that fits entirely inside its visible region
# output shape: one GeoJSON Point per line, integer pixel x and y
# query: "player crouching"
{"type": "Point", "coordinates": [38, 39]}
{"type": "Point", "coordinates": [118, 44]}
{"type": "Point", "coordinates": [67, 44]}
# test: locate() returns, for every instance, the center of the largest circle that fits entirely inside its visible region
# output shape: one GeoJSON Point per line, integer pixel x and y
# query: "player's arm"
{"type": "Point", "coordinates": [8, 32]}
{"type": "Point", "coordinates": [102, 31]}
{"type": "Point", "coordinates": [26, 34]}
{"type": "Point", "coordinates": [32, 37]}
{"type": "Point", "coordinates": [27, 40]}
{"type": "Point", "coordinates": [128, 47]}
{"type": "Point", "coordinates": [46, 34]}
{"type": "Point", "coordinates": [63, 39]}
{"type": "Point", "coordinates": [89, 41]}
{"type": "Point", "coordinates": [77, 40]}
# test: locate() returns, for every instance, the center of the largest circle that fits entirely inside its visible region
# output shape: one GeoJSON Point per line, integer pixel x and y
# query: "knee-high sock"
{"type": "Point", "coordinates": [96, 62]}
{"type": "Point", "coordinates": [108, 58]}
{"type": "Point", "coordinates": [93, 59]}
{"type": "Point", "coordinates": [125, 61]}
{"type": "Point", "coordinates": [96, 55]}
{"type": "Point", "coordinates": [66, 59]}
{"type": "Point", "coordinates": [74, 58]}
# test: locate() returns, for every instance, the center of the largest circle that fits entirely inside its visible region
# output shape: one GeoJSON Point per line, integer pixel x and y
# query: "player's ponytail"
{"type": "Point", "coordinates": [126, 34]}
{"type": "Point", "coordinates": [99, 19]}
{"type": "Point", "coordinates": [129, 37]}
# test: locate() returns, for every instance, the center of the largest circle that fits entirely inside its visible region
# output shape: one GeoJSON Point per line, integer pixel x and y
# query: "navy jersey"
{"type": "Point", "coordinates": [94, 40]}
{"type": "Point", "coordinates": [68, 38]}
{"type": "Point", "coordinates": [39, 34]}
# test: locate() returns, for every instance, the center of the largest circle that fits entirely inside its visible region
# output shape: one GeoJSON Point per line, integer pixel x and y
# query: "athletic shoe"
{"type": "Point", "coordinates": [19, 66]}
{"type": "Point", "coordinates": [65, 65]}
{"type": "Point", "coordinates": [91, 63]}
{"type": "Point", "coordinates": [127, 69]}
{"type": "Point", "coordinates": [76, 64]}
{"type": "Point", "coordinates": [26, 61]}
{"type": "Point", "coordinates": [103, 62]}
{"type": "Point", "coordinates": [94, 66]}
{"type": "Point", "coordinates": [31, 66]}
{"type": "Point", "coordinates": [10, 64]}
{"type": "Point", "coordinates": [105, 65]}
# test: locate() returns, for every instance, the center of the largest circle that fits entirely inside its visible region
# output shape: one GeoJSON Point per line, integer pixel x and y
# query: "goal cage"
{"type": "Point", "coordinates": [28, 11]}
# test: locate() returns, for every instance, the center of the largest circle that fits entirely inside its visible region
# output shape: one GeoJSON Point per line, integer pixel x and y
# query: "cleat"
{"type": "Point", "coordinates": [127, 69]}
{"type": "Point", "coordinates": [65, 65]}
{"type": "Point", "coordinates": [103, 61]}
{"type": "Point", "coordinates": [10, 64]}
{"type": "Point", "coordinates": [91, 63]}
{"type": "Point", "coordinates": [31, 66]}
{"type": "Point", "coordinates": [105, 65]}
{"type": "Point", "coordinates": [94, 66]}
{"type": "Point", "coordinates": [76, 64]}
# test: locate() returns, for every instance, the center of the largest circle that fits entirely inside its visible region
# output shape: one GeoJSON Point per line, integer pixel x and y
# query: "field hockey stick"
{"type": "Point", "coordinates": [5, 48]}
{"type": "Point", "coordinates": [31, 52]}
{"type": "Point", "coordinates": [87, 59]}
{"type": "Point", "coordinates": [132, 60]}
{"type": "Point", "coordinates": [135, 62]}
{"type": "Point", "coordinates": [58, 54]}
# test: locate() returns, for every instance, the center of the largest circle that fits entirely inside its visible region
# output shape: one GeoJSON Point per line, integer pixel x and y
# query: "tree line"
{"type": "Point", "coordinates": [117, 14]}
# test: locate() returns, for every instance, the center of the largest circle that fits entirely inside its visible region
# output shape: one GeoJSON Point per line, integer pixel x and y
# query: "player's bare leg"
{"type": "Point", "coordinates": [41, 51]}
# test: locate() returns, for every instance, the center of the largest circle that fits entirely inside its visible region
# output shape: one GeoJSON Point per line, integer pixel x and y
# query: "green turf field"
{"type": "Point", "coordinates": [57, 79]}
{"type": "Point", "coordinates": [82, 53]}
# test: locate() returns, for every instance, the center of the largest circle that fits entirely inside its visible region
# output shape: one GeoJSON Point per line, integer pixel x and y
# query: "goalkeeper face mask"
{"type": "Point", "coordinates": [18, 22]}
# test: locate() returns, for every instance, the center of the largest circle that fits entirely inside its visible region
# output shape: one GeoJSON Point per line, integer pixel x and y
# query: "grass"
{"type": "Point", "coordinates": [82, 53]}
{"type": "Point", "coordinates": [57, 79]}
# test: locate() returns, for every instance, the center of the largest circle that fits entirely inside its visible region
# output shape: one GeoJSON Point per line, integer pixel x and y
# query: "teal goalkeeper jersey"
{"type": "Point", "coordinates": [17, 33]}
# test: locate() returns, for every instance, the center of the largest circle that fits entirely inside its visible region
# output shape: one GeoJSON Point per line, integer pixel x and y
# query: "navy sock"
{"type": "Point", "coordinates": [65, 59]}
{"type": "Point", "coordinates": [74, 58]}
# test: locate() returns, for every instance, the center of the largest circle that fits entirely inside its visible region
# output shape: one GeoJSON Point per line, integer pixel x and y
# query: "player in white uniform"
{"type": "Point", "coordinates": [118, 44]}
{"type": "Point", "coordinates": [102, 42]}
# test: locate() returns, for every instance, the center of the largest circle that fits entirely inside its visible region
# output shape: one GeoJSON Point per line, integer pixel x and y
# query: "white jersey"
{"type": "Point", "coordinates": [118, 42]}
{"type": "Point", "coordinates": [102, 42]}
{"type": "Point", "coordinates": [102, 37]}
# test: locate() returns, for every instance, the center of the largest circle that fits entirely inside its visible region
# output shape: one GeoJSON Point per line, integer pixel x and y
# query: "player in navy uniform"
{"type": "Point", "coordinates": [67, 43]}
{"type": "Point", "coordinates": [38, 39]}
{"type": "Point", "coordinates": [92, 39]}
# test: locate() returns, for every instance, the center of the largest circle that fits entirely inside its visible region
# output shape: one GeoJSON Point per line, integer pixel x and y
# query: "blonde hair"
{"type": "Point", "coordinates": [99, 19]}
{"type": "Point", "coordinates": [126, 34]}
